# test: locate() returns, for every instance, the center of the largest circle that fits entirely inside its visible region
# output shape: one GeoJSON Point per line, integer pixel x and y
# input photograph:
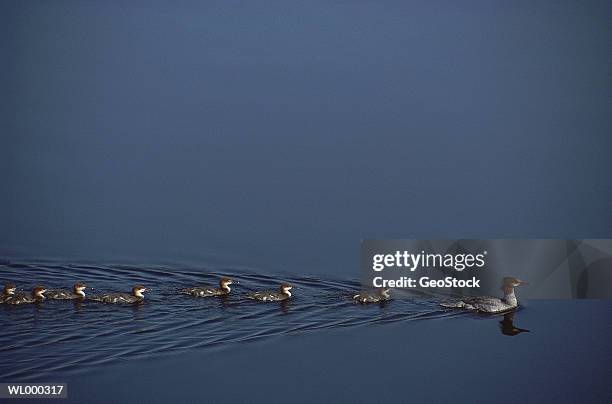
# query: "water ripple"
{"type": "Point", "coordinates": [38, 341]}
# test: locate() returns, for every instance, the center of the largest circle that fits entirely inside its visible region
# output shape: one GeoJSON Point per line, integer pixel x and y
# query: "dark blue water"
{"type": "Point", "coordinates": [320, 345]}
{"type": "Point", "coordinates": [458, 359]}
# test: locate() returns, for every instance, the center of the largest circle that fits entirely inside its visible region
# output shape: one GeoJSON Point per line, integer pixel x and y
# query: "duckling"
{"type": "Point", "coordinates": [8, 292]}
{"type": "Point", "coordinates": [272, 296]}
{"type": "Point", "coordinates": [78, 292]}
{"type": "Point", "coordinates": [118, 297]}
{"type": "Point", "coordinates": [380, 295]}
{"type": "Point", "coordinates": [204, 291]}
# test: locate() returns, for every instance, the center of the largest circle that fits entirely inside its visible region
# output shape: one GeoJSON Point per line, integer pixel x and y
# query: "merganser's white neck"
{"type": "Point", "coordinates": [510, 297]}
{"type": "Point", "coordinates": [226, 287]}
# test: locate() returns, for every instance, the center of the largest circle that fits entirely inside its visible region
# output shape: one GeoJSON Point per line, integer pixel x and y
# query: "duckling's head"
{"type": "Point", "coordinates": [138, 290]}
{"type": "Point", "coordinates": [385, 293]}
{"type": "Point", "coordinates": [225, 282]}
{"type": "Point", "coordinates": [285, 288]}
{"type": "Point", "coordinates": [39, 292]}
{"type": "Point", "coordinates": [9, 288]}
{"type": "Point", "coordinates": [79, 288]}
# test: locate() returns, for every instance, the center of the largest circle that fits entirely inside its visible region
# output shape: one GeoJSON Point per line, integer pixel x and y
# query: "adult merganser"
{"type": "Point", "coordinates": [135, 297]}
{"type": "Point", "coordinates": [22, 298]}
{"type": "Point", "coordinates": [272, 296]}
{"type": "Point", "coordinates": [8, 292]}
{"type": "Point", "coordinates": [487, 304]}
{"type": "Point", "coordinates": [78, 292]}
{"type": "Point", "coordinates": [380, 295]}
{"type": "Point", "coordinates": [204, 291]}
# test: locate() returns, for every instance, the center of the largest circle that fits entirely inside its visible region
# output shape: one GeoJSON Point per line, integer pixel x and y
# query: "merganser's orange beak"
{"type": "Point", "coordinates": [522, 283]}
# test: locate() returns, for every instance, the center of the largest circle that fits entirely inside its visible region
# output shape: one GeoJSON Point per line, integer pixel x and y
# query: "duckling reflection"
{"type": "Point", "coordinates": [78, 305]}
{"type": "Point", "coordinates": [224, 301]}
{"type": "Point", "coordinates": [506, 326]}
{"type": "Point", "coordinates": [284, 305]}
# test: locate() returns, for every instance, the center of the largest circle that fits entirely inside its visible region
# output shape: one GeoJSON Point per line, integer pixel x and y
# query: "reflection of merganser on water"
{"type": "Point", "coordinates": [272, 296]}
{"type": "Point", "coordinates": [490, 304]}
{"type": "Point", "coordinates": [8, 292]}
{"type": "Point", "coordinates": [222, 290]}
{"type": "Point", "coordinates": [23, 298]}
{"type": "Point", "coordinates": [380, 295]}
{"type": "Point", "coordinates": [507, 325]}
{"type": "Point", "coordinates": [135, 297]}
{"type": "Point", "coordinates": [78, 292]}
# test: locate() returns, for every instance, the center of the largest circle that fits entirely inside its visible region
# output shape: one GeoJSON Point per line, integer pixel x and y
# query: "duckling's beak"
{"type": "Point", "coordinates": [522, 283]}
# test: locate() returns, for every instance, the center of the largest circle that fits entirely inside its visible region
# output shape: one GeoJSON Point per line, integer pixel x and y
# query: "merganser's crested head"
{"type": "Point", "coordinates": [138, 290]}
{"type": "Point", "coordinates": [225, 282]}
{"type": "Point", "coordinates": [285, 288]}
{"type": "Point", "coordinates": [509, 283]}
{"type": "Point", "coordinates": [9, 288]}
{"type": "Point", "coordinates": [39, 292]}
